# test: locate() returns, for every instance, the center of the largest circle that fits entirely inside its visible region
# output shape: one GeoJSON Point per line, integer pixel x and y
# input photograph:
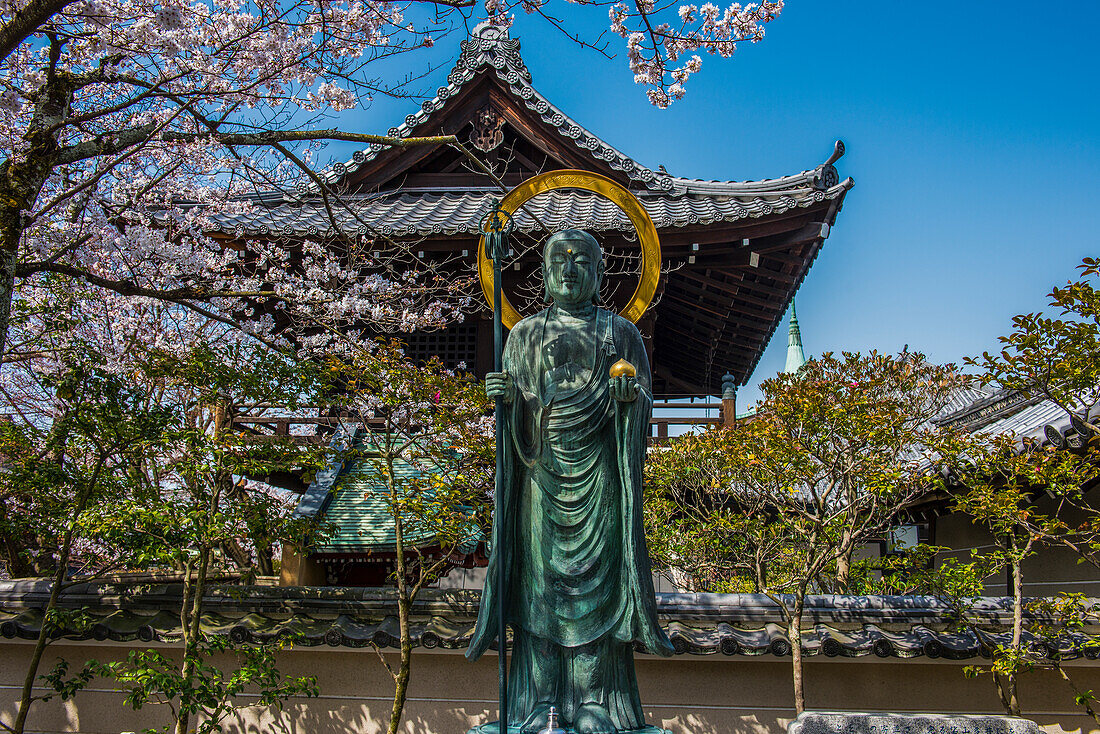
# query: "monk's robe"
{"type": "Point", "coordinates": [578, 584]}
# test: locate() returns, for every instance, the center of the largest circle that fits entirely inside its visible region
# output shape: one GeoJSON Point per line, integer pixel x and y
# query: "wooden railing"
{"type": "Point", "coordinates": [670, 418]}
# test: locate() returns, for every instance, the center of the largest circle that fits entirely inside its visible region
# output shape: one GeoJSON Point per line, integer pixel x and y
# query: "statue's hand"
{"type": "Point", "coordinates": [623, 388]}
{"type": "Point", "coordinates": [500, 385]}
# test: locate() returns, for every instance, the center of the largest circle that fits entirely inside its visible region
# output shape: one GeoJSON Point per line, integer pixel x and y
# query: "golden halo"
{"type": "Point", "coordinates": [613, 192]}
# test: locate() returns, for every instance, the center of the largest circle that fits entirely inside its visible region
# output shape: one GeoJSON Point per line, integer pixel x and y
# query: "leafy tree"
{"type": "Point", "coordinates": [701, 530]}
{"type": "Point", "coordinates": [1001, 486]}
{"type": "Point", "coordinates": [54, 480]}
{"type": "Point", "coordinates": [152, 677]}
{"type": "Point", "coordinates": [195, 508]}
{"type": "Point", "coordinates": [129, 452]}
{"type": "Point", "coordinates": [834, 454]}
{"type": "Point", "coordinates": [438, 424]}
{"type": "Point", "coordinates": [1055, 359]}
{"type": "Point", "coordinates": [1052, 619]}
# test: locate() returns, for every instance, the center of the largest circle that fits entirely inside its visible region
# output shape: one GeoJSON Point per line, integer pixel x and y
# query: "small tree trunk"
{"type": "Point", "coordinates": [51, 604]}
{"type": "Point", "coordinates": [844, 560]}
{"type": "Point", "coordinates": [192, 615]}
{"type": "Point", "coordinates": [55, 592]}
{"type": "Point", "coordinates": [1007, 683]}
{"type": "Point", "coordinates": [794, 632]}
{"type": "Point", "coordinates": [401, 679]}
{"type": "Point", "coordinates": [843, 571]}
{"type": "Point", "coordinates": [43, 635]}
{"type": "Point", "coordinates": [1084, 698]}
{"type": "Point", "coordinates": [1017, 632]}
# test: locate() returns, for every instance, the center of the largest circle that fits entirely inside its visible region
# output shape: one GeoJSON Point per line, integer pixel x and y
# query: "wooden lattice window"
{"type": "Point", "coordinates": [456, 346]}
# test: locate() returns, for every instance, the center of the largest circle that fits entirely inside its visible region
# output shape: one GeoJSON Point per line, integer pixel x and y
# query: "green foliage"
{"type": "Point", "coordinates": [55, 475]}
{"type": "Point", "coordinates": [698, 527]}
{"type": "Point", "coordinates": [1054, 357]}
{"type": "Point", "coordinates": [833, 454]}
{"type": "Point", "coordinates": [153, 677]}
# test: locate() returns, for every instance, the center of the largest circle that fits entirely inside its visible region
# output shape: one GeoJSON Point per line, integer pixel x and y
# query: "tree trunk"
{"type": "Point", "coordinates": [1083, 698]}
{"type": "Point", "coordinates": [794, 633]}
{"type": "Point", "coordinates": [1017, 631]}
{"type": "Point", "coordinates": [21, 180]}
{"type": "Point", "coordinates": [43, 636]}
{"type": "Point", "coordinates": [1007, 683]}
{"type": "Point", "coordinates": [7, 291]}
{"type": "Point", "coordinates": [843, 571]}
{"type": "Point", "coordinates": [401, 679]}
{"type": "Point", "coordinates": [191, 618]}
{"type": "Point", "coordinates": [844, 560]}
{"type": "Point", "coordinates": [25, 698]}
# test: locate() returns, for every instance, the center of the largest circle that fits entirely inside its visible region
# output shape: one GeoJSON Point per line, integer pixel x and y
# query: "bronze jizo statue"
{"type": "Point", "coordinates": [578, 586]}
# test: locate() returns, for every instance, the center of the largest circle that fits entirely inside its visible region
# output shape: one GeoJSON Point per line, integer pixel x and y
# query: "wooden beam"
{"type": "Point", "coordinates": [665, 374]}
{"type": "Point", "coordinates": [734, 303]}
{"type": "Point", "coordinates": [734, 287]}
{"type": "Point", "coordinates": [810, 233]}
{"type": "Point", "coordinates": [720, 233]}
{"type": "Point", "coordinates": [771, 290]}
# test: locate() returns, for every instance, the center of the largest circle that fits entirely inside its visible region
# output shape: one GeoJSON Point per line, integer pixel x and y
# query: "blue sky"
{"type": "Point", "coordinates": [973, 135]}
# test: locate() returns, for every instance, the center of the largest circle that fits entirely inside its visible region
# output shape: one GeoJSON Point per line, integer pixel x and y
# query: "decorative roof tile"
{"type": "Point", "coordinates": [697, 624]}
{"type": "Point", "coordinates": [408, 213]}
{"type": "Point", "coordinates": [490, 49]}
{"type": "Point", "coordinates": [352, 500]}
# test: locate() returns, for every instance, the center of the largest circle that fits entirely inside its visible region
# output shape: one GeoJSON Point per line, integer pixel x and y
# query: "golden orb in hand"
{"type": "Point", "coordinates": [622, 368]}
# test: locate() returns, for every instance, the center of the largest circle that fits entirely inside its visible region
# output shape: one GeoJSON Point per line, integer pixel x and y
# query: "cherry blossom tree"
{"type": "Point", "coordinates": [130, 126]}
{"type": "Point", "coordinates": [663, 39]}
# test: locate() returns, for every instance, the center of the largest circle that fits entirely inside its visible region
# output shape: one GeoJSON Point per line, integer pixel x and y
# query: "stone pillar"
{"type": "Point", "coordinates": [729, 401]}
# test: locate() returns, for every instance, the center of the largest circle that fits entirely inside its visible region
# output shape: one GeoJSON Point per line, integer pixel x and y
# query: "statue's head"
{"type": "Point", "coordinates": [572, 267]}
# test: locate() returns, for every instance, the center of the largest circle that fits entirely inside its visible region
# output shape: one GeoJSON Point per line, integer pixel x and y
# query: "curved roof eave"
{"type": "Point", "coordinates": [490, 49]}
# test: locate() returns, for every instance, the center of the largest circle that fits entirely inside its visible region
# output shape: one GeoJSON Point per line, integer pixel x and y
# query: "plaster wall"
{"type": "Point", "coordinates": [1050, 571]}
{"type": "Point", "coordinates": [710, 694]}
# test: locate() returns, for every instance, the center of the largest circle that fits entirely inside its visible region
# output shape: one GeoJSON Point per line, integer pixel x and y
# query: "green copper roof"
{"type": "Point", "coordinates": [795, 356]}
{"type": "Point", "coordinates": [359, 511]}
{"type": "Point", "coordinates": [349, 497]}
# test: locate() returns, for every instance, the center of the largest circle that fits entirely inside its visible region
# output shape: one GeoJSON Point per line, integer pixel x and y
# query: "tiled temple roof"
{"type": "Point", "coordinates": [995, 412]}
{"type": "Point", "coordinates": [351, 499]}
{"type": "Point", "coordinates": [448, 213]}
{"type": "Point", "coordinates": [489, 49]}
{"type": "Point", "coordinates": [700, 624]}
{"type": "Point", "coordinates": [672, 201]}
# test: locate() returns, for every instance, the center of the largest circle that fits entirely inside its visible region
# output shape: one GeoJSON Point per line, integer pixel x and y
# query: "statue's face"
{"type": "Point", "coordinates": [573, 269]}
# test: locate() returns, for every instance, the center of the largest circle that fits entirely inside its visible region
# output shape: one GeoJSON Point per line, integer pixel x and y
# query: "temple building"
{"type": "Point", "coordinates": [734, 252]}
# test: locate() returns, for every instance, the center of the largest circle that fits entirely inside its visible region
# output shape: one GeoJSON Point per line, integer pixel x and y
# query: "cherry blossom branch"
{"type": "Point", "coordinates": [117, 142]}
{"type": "Point", "coordinates": [27, 21]}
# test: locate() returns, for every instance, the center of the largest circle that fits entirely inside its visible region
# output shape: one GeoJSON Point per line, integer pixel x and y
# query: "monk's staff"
{"type": "Point", "coordinates": [498, 227]}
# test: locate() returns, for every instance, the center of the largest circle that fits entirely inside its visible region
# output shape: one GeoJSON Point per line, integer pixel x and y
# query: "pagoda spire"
{"type": "Point", "coordinates": [795, 356]}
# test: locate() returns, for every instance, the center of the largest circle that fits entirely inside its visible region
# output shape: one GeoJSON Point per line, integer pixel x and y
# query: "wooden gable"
{"type": "Point", "coordinates": [523, 143]}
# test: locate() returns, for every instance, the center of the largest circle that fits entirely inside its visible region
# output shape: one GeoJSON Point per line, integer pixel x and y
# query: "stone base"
{"type": "Point", "coordinates": [492, 728]}
{"type": "Point", "coordinates": [851, 722]}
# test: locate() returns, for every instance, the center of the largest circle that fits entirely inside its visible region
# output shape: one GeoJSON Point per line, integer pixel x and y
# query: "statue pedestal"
{"type": "Point", "coordinates": [492, 728]}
